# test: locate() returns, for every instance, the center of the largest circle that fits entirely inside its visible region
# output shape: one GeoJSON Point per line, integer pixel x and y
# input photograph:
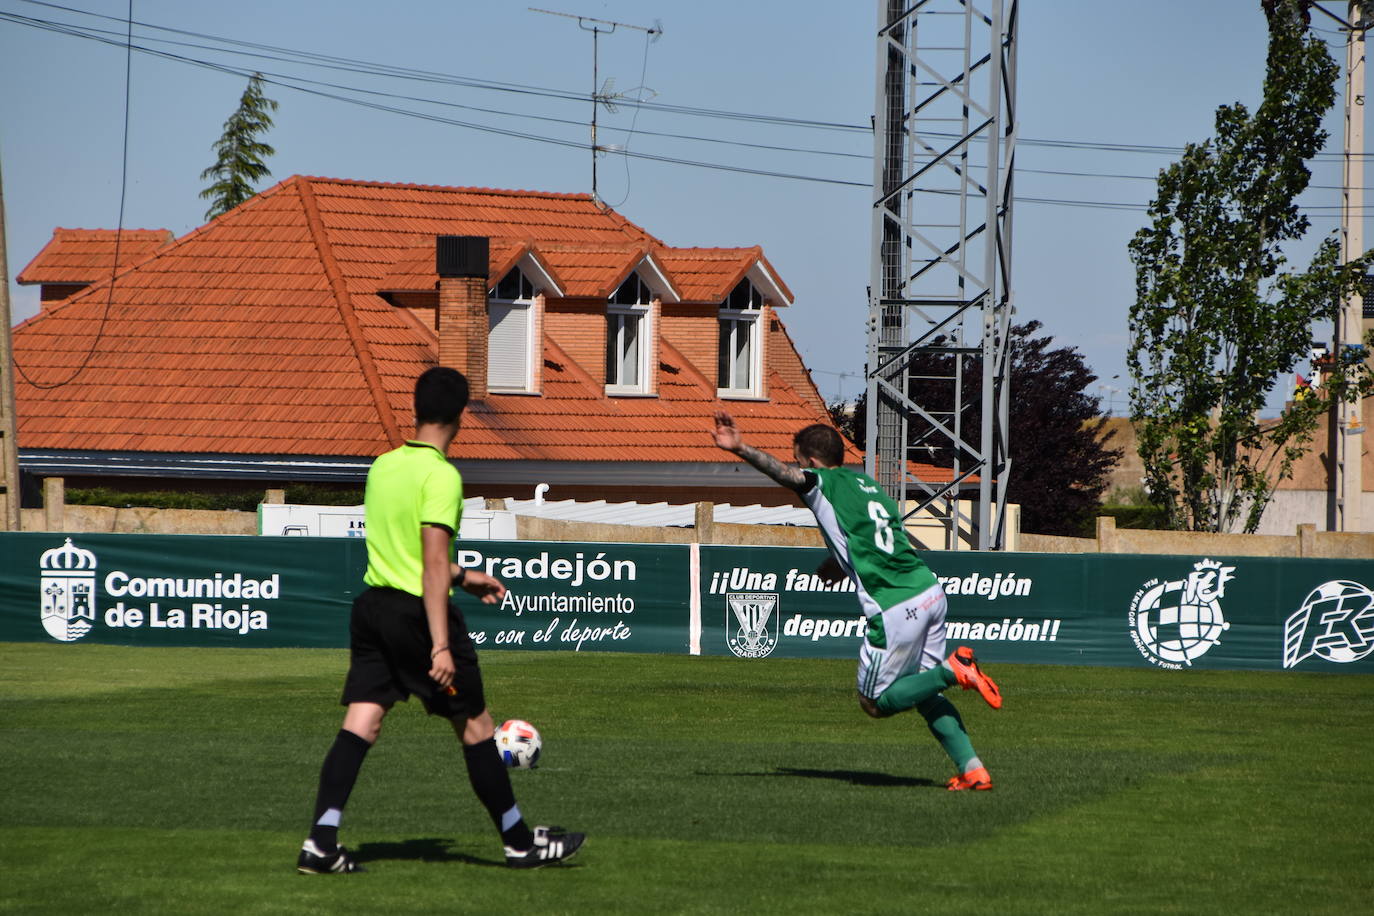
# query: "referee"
{"type": "Point", "coordinates": [406, 638]}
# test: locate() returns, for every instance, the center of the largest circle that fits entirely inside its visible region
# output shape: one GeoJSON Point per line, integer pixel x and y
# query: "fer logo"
{"type": "Point", "coordinates": [1335, 622]}
{"type": "Point", "coordinates": [67, 589]}
{"type": "Point", "coordinates": [1176, 621]}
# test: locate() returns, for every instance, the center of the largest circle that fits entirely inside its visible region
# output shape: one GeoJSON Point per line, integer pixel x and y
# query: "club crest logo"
{"type": "Point", "coordinates": [1335, 622]}
{"type": "Point", "coordinates": [67, 589]}
{"type": "Point", "coordinates": [1177, 621]}
{"type": "Point", "coordinates": [751, 624]}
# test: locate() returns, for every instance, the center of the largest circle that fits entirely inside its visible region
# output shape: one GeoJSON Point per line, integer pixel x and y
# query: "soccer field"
{"type": "Point", "coordinates": [182, 781]}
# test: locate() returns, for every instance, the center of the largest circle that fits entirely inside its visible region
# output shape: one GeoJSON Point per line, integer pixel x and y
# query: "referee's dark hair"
{"type": "Point", "coordinates": [441, 394]}
{"type": "Point", "coordinates": [822, 443]}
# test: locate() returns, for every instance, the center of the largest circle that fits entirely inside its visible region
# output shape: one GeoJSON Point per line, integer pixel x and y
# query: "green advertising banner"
{"type": "Point", "coordinates": [581, 597]}
{"type": "Point", "coordinates": [183, 590]}
{"type": "Point", "coordinates": [1167, 611]}
{"type": "Point", "coordinates": [178, 590]}
{"type": "Point", "coordinates": [1171, 612]}
{"type": "Point", "coordinates": [1241, 612]}
{"type": "Point", "coordinates": [1035, 608]}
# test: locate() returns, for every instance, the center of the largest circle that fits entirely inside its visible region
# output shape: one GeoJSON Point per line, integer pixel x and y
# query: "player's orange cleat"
{"type": "Point", "coordinates": [978, 780]}
{"type": "Point", "coordinates": [967, 673]}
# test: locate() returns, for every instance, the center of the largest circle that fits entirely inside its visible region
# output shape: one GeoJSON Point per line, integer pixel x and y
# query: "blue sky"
{"type": "Point", "coordinates": [1101, 73]}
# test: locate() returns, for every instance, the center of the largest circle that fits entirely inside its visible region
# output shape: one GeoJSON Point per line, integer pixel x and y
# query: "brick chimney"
{"type": "Point", "coordinates": [461, 261]}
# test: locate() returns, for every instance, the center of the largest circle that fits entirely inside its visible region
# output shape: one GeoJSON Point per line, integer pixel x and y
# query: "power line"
{"type": "Point", "coordinates": [303, 84]}
{"type": "Point", "coordinates": [119, 228]}
{"type": "Point", "coordinates": [372, 68]}
{"type": "Point", "coordinates": [96, 35]}
{"type": "Point", "coordinates": [355, 65]}
{"type": "Point", "coordinates": [293, 83]}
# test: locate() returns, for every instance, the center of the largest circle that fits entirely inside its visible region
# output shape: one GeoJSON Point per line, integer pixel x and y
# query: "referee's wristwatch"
{"type": "Point", "coordinates": [461, 577]}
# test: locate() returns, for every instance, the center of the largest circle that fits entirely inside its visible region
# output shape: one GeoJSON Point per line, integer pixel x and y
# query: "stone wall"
{"type": "Point", "coordinates": [1306, 541]}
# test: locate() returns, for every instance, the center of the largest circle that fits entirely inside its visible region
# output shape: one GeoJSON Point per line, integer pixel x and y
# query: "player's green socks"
{"type": "Point", "coordinates": [947, 728]}
{"type": "Point", "coordinates": [910, 691]}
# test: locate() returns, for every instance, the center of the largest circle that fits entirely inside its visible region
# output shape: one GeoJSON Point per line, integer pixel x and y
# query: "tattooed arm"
{"type": "Point", "coordinates": [728, 437]}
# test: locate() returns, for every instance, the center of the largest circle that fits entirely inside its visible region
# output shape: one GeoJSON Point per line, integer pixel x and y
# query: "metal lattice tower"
{"type": "Point", "coordinates": [939, 289]}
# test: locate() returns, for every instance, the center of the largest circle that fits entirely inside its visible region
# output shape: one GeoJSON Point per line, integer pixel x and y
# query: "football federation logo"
{"type": "Point", "coordinates": [1335, 622]}
{"type": "Point", "coordinates": [751, 626]}
{"type": "Point", "coordinates": [67, 589]}
{"type": "Point", "coordinates": [1174, 622]}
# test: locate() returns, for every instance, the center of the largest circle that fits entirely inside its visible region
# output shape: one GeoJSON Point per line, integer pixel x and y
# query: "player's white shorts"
{"type": "Point", "coordinates": [915, 631]}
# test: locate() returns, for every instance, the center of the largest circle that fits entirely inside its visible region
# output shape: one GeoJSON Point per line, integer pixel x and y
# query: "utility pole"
{"type": "Point", "coordinates": [601, 95]}
{"type": "Point", "coordinates": [9, 448]}
{"type": "Point", "coordinates": [945, 130]}
{"type": "Point", "coordinates": [1348, 419]}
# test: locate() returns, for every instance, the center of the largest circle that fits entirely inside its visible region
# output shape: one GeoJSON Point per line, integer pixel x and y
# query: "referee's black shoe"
{"type": "Point", "coordinates": [314, 862]}
{"type": "Point", "coordinates": [551, 844]}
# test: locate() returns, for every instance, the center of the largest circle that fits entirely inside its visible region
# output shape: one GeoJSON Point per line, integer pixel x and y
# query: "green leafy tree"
{"type": "Point", "coordinates": [240, 155]}
{"type": "Point", "coordinates": [1218, 319]}
{"type": "Point", "coordinates": [1059, 457]}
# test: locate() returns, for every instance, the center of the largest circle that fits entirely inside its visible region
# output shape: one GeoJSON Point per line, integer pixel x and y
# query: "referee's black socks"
{"type": "Point", "coordinates": [490, 780]}
{"type": "Point", "coordinates": [337, 776]}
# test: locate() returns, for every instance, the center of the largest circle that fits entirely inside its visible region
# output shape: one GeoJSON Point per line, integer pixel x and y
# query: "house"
{"type": "Point", "coordinates": [279, 343]}
{"type": "Point", "coordinates": [1306, 497]}
{"type": "Point", "coordinates": [75, 258]}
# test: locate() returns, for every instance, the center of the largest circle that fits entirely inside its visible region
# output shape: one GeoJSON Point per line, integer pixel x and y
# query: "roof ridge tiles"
{"type": "Point", "coordinates": [503, 192]}
{"type": "Point", "coordinates": [802, 396]}
{"type": "Point", "coordinates": [126, 230]}
{"type": "Point", "coordinates": [343, 300]}
{"type": "Point", "coordinates": [735, 251]}
{"type": "Point", "coordinates": [623, 222]}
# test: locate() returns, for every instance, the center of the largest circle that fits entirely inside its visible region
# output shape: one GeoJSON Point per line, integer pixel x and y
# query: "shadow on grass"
{"type": "Point", "coordinates": [853, 777]}
{"type": "Point", "coordinates": [430, 849]}
{"type": "Point", "coordinates": [859, 778]}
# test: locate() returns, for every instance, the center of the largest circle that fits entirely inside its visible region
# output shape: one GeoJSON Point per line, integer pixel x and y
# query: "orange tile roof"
{"type": "Point", "coordinates": [414, 268]}
{"type": "Point", "coordinates": [88, 255]}
{"type": "Point", "coordinates": [593, 271]}
{"type": "Point", "coordinates": [709, 274]}
{"type": "Point", "coordinates": [575, 421]}
{"type": "Point", "coordinates": [261, 333]}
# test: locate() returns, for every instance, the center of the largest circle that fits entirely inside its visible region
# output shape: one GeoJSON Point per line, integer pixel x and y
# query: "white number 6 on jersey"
{"type": "Point", "coordinates": [882, 526]}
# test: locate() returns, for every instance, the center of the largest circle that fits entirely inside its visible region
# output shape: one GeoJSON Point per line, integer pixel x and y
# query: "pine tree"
{"type": "Point", "coordinates": [241, 157]}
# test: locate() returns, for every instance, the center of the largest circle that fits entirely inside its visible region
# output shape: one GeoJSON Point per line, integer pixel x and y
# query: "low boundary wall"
{"type": "Point", "coordinates": [752, 602]}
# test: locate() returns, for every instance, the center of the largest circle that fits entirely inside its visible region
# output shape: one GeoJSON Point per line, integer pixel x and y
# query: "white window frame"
{"type": "Point", "coordinates": [500, 310]}
{"type": "Point", "coordinates": [642, 313]}
{"type": "Point", "coordinates": [748, 321]}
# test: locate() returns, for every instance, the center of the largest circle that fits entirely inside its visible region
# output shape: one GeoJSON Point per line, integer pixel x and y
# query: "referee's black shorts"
{"type": "Point", "coordinates": [389, 656]}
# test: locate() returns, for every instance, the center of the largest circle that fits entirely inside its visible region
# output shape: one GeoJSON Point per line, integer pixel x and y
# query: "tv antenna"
{"type": "Point", "coordinates": [603, 94]}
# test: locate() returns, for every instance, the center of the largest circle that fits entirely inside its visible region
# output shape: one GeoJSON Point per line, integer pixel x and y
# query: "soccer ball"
{"type": "Point", "coordinates": [519, 743]}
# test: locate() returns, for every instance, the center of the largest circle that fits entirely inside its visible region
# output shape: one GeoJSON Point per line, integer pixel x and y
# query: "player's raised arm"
{"type": "Point", "coordinates": [728, 437]}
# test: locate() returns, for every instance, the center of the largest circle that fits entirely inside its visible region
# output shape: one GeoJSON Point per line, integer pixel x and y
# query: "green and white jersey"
{"type": "Point", "coordinates": [407, 488]}
{"type": "Point", "coordinates": [863, 529]}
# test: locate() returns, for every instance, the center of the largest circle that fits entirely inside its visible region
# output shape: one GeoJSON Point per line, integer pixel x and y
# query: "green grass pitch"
{"type": "Point", "coordinates": [182, 780]}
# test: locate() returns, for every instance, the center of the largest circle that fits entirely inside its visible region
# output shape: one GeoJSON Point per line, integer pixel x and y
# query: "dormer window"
{"type": "Point", "coordinates": [738, 363]}
{"type": "Point", "coordinates": [628, 318]}
{"type": "Point", "coordinates": [510, 334]}
{"type": "Point", "coordinates": [514, 287]}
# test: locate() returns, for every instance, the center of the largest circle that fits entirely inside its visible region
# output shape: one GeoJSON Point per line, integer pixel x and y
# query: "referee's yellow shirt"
{"type": "Point", "coordinates": [407, 488]}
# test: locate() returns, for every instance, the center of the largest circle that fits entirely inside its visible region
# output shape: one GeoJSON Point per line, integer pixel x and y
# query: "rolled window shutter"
{"type": "Point", "coordinates": [508, 342]}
